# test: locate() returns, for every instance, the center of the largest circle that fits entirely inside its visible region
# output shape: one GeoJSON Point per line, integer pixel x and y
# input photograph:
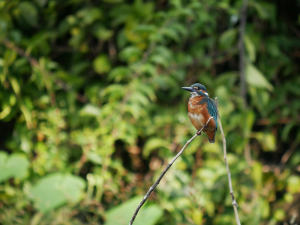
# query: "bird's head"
{"type": "Point", "coordinates": [196, 90]}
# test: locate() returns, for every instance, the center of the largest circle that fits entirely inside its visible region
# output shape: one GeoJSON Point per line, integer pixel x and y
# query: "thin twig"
{"type": "Point", "coordinates": [20, 52]}
{"type": "Point", "coordinates": [288, 153]}
{"type": "Point", "coordinates": [163, 173]}
{"type": "Point", "coordinates": [243, 16]}
{"type": "Point", "coordinates": [234, 203]}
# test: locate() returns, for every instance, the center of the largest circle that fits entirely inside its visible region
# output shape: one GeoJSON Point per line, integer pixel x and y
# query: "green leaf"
{"type": "Point", "coordinates": [15, 85]}
{"type": "Point", "coordinates": [5, 112]}
{"type": "Point", "coordinates": [248, 122]}
{"type": "Point", "coordinates": [257, 175]}
{"type": "Point", "coordinates": [102, 33]}
{"type": "Point", "coordinates": [293, 184]}
{"type": "Point", "coordinates": [41, 2]}
{"type": "Point", "coordinates": [101, 64]}
{"type": "Point", "coordinates": [250, 48]}
{"type": "Point", "coordinates": [130, 54]}
{"type": "Point", "coordinates": [279, 214]}
{"type": "Point", "coordinates": [267, 141]}
{"type": "Point", "coordinates": [153, 144]}
{"type": "Point", "coordinates": [94, 157]}
{"type": "Point", "coordinates": [122, 214]}
{"type": "Point", "coordinates": [29, 12]}
{"type": "Point", "coordinates": [13, 166]}
{"type": "Point", "coordinates": [56, 189]}
{"type": "Point", "coordinates": [9, 57]}
{"type": "Point", "coordinates": [90, 110]}
{"type": "Point", "coordinates": [120, 73]}
{"type": "Point", "coordinates": [170, 33]}
{"type": "Point", "coordinates": [89, 15]}
{"type": "Point", "coordinates": [256, 79]}
{"type": "Point", "coordinates": [228, 38]}
{"type": "Point", "coordinates": [26, 114]}
{"type": "Point", "coordinates": [265, 208]}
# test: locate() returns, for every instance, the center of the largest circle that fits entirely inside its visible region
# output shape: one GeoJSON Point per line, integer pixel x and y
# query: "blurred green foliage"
{"type": "Point", "coordinates": [92, 110]}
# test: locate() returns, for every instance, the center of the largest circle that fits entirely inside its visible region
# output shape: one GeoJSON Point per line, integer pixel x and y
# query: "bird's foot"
{"type": "Point", "coordinates": [198, 132]}
{"type": "Point", "coordinates": [234, 203]}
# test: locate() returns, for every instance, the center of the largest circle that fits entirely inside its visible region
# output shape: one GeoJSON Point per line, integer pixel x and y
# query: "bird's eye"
{"type": "Point", "coordinates": [195, 88]}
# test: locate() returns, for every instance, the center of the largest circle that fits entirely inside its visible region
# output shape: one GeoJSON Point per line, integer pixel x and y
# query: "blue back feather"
{"type": "Point", "coordinates": [212, 109]}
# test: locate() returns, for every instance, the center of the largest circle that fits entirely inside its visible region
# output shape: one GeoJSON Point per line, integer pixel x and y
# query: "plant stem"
{"type": "Point", "coordinates": [163, 173]}
{"type": "Point", "coordinates": [234, 203]}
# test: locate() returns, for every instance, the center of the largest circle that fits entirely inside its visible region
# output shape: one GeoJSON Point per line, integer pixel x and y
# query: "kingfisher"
{"type": "Point", "coordinates": [201, 108]}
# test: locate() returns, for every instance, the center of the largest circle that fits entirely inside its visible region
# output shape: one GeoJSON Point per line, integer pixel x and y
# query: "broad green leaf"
{"type": "Point", "coordinates": [228, 38]}
{"type": "Point", "coordinates": [89, 15]}
{"type": "Point", "coordinates": [154, 143]}
{"type": "Point", "coordinates": [130, 54]}
{"type": "Point", "coordinates": [55, 190]}
{"type": "Point", "coordinates": [197, 216]}
{"type": "Point", "coordinates": [9, 57]}
{"type": "Point", "coordinates": [293, 184]}
{"type": "Point", "coordinates": [103, 33]}
{"type": "Point", "coordinates": [256, 79]}
{"type": "Point", "coordinates": [267, 140]}
{"type": "Point", "coordinates": [90, 110]}
{"type": "Point", "coordinates": [94, 157]}
{"type": "Point", "coordinates": [280, 214]}
{"type": "Point", "coordinates": [120, 74]}
{"type": "Point", "coordinates": [29, 12]}
{"type": "Point", "coordinates": [102, 64]}
{"type": "Point", "coordinates": [170, 33]}
{"type": "Point", "coordinates": [121, 214]}
{"type": "Point", "coordinates": [13, 166]}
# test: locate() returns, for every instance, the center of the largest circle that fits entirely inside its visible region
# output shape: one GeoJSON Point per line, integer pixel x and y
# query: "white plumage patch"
{"type": "Point", "coordinates": [197, 119]}
{"type": "Point", "coordinates": [194, 94]}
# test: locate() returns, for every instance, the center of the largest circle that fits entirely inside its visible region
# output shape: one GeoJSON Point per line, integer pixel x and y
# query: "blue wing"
{"type": "Point", "coordinates": [212, 109]}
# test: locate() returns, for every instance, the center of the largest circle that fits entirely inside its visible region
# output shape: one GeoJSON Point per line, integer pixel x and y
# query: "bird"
{"type": "Point", "coordinates": [200, 109]}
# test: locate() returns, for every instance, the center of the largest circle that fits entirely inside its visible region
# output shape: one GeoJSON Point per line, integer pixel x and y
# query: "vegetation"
{"type": "Point", "coordinates": [92, 110]}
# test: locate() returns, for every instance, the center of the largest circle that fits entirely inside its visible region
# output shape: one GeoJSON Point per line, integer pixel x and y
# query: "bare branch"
{"type": "Point", "coordinates": [163, 173]}
{"type": "Point", "coordinates": [234, 203]}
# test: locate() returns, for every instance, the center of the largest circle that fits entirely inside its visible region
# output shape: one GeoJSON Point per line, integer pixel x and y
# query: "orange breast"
{"type": "Point", "coordinates": [199, 114]}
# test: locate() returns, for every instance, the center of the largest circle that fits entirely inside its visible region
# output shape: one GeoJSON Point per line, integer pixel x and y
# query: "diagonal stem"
{"type": "Point", "coordinates": [163, 173]}
{"type": "Point", "coordinates": [234, 203]}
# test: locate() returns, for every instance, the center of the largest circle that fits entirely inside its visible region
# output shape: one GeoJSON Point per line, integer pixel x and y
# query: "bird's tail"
{"type": "Point", "coordinates": [211, 135]}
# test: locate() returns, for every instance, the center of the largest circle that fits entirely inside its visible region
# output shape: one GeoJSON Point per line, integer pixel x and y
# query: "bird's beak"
{"type": "Point", "coordinates": [189, 89]}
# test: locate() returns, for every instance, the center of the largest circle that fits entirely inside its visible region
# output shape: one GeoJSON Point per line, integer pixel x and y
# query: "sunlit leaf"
{"type": "Point", "coordinates": [154, 143]}
{"type": "Point", "coordinates": [257, 175]}
{"type": "Point", "coordinates": [101, 64]}
{"type": "Point", "coordinates": [256, 79]}
{"type": "Point", "coordinates": [90, 110]}
{"type": "Point", "coordinates": [122, 214]}
{"type": "Point", "coordinates": [55, 190]}
{"type": "Point", "coordinates": [250, 47]}
{"type": "Point", "coordinates": [13, 166]}
{"type": "Point", "coordinates": [293, 184]}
